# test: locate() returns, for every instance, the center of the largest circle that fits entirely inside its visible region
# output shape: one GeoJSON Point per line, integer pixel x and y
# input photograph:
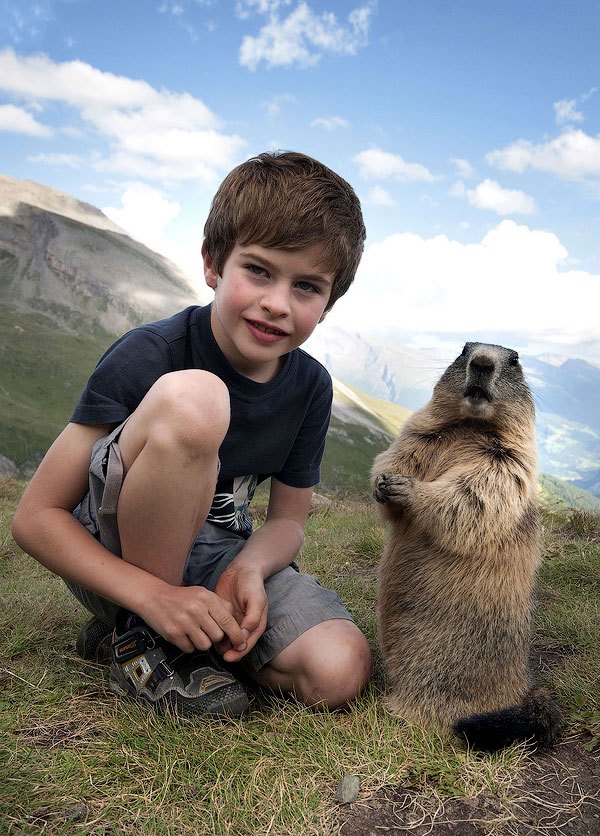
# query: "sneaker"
{"type": "Point", "coordinates": [94, 641]}
{"type": "Point", "coordinates": [147, 668]}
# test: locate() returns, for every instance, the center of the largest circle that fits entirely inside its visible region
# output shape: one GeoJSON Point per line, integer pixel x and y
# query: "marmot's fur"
{"type": "Point", "coordinates": [457, 491]}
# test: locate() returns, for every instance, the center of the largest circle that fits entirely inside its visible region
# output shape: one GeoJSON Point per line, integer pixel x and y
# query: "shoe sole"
{"type": "Point", "coordinates": [233, 701]}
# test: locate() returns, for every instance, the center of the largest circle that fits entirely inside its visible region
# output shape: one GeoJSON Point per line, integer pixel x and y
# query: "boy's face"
{"type": "Point", "coordinates": [267, 302]}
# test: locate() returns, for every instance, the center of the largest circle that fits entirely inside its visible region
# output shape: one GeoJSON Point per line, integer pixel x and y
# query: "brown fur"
{"type": "Point", "coordinates": [457, 491]}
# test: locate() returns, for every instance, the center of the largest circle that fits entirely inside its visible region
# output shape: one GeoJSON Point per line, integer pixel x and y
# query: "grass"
{"type": "Point", "coordinates": [75, 760]}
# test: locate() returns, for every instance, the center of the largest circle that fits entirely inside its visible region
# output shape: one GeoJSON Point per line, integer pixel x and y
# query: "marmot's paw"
{"type": "Point", "coordinates": [396, 490]}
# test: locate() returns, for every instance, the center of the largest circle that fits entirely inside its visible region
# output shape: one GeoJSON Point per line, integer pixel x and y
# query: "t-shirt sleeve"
{"type": "Point", "coordinates": [122, 377]}
{"type": "Point", "coordinates": [303, 466]}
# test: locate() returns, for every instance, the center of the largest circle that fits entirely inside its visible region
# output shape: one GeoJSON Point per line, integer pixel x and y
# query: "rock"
{"type": "Point", "coordinates": [347, 790]}
{"type": "Point", "coordinates": [7, 467]}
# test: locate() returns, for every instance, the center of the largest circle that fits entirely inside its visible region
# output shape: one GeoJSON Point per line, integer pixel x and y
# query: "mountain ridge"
{"type": "Point", "coordinates": [66, 259]}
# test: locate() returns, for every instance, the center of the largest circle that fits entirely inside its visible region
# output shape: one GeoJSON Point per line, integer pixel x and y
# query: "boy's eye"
{"type": "Point", "coordinates": [256, 269]}
{"type": "Point", "coordinates": [307, 287]}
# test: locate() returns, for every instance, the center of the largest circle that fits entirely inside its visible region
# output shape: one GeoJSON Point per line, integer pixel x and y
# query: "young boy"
{"type": "Point", "coordinates": [180, 421]}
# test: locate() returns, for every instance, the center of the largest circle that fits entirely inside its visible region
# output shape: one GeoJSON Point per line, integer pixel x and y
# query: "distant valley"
{"type": "Point", "coordinates": [567, 395]}
{"type": "Point", "coordinates": [71, 281]}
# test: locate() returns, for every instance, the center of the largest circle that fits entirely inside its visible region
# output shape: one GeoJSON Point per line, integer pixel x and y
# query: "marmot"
{"type": "Point", "coordinates": [457, 491]}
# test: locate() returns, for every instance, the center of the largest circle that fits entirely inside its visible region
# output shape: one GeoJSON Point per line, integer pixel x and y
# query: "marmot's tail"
{"type": "Point", "coordinates": [538, 719]}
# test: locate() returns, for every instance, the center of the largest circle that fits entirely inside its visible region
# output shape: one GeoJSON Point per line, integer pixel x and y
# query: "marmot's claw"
{"type": "Point", "coordinates": [379, 491]}
{"type": "Point", "coordinates": [394, 489]}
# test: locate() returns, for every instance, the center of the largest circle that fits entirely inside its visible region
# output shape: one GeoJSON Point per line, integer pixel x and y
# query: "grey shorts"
{"type": "Point", "coordinates": [296, 601]}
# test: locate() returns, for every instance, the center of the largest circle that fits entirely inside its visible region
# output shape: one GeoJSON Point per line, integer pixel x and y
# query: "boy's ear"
{"type": "Point", "coordinates": [323, 315]}
{"type": "Point", "coordinates": [210, 274]}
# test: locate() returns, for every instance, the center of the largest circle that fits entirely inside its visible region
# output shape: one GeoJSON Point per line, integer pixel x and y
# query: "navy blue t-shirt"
{"type": "Point", "coordinates": [277, 428]}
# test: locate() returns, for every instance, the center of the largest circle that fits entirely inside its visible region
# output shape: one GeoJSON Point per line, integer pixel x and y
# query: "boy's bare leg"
{"type": "Point", "coordinates": [169, 449]}
{"type": "Point", "coordinates": [329, 664]}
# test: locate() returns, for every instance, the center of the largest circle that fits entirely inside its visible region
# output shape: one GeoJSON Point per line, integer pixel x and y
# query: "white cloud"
{"type": "Point", "coordinates": [564, 111]}
{"type": "Point", "coordinates": [463, 167]}
{"type": "Point", "coordinates": [144, 214]}
{"type": "Point", "coordinates": [512, 281]}
{"type": "Point", "coordinates": [302, 37]}
{"type": "Point", "coordinates": [491, 195]}
{"type": "Point", "coordinates": [69, 160]}
{"type": "Point", "coordinates": [152, 134]}
{"type": "Point", "coordinates": [381, 165]}
{"type": "Point", "coordinates": [330, 123]}
{"type": "Point", "coordinates": [573, 154]}
{"type": "Point", "coordinates": [273, 107]}
{"type": "Point", "coordinates": [18, 120]}
{"type": "Point", "coordinates": [379, 197]}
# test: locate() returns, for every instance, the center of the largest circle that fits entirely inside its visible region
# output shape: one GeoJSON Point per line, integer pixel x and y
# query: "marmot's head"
{"type": "Point", "coordinates": [485, 383]}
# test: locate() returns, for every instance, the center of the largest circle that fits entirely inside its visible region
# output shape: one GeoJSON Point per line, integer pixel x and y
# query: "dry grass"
{"type": "Point", "coordinates": [73, 759]}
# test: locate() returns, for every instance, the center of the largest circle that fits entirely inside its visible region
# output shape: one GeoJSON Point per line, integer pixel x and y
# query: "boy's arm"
{"type": "Point", "coordinates": [45, 528]}
{"type": "Point", "coordinates": [269, 549]}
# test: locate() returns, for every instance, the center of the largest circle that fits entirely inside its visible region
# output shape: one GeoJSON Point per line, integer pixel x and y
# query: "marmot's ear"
{"type": "Point", "coordinates": [210, 274]}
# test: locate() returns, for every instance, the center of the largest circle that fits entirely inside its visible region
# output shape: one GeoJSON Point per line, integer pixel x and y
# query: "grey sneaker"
{"type": "Point", "coordinates": [94, 640]}
{"type": "Point", "coordinates": [148, 669]}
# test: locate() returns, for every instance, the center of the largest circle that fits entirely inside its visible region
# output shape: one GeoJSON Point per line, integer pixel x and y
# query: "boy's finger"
{"type": "Point", "coordinates": [230, 628]}
{"type": "Point", "coordinates": [256, 615]}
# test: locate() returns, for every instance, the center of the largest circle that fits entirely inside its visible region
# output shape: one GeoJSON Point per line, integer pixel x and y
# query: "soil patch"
{"type": "Point", "coordinates": [559, 792]}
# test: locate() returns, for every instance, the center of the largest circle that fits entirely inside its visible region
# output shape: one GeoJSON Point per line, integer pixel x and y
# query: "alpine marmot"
{"type": "Point", "coordinates": [457, 491]}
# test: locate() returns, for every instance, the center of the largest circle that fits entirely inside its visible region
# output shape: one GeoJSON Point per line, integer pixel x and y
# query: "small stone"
{"type": "Point", "coordinates": [347, 790]}
{"type": "Point", "coordinates": [77, 812]}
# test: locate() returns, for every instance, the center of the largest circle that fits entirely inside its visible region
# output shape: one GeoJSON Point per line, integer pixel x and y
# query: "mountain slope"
{"type": "Point", "coordinates": [66, 259]}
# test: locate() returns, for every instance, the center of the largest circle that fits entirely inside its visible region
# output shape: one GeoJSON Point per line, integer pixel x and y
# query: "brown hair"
{"type": "Point", "coordinates": [287, 200]}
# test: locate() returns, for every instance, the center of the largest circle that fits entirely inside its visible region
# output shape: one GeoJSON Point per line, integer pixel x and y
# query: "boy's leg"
{"type": "Point", "coordinates": [169, 449]}
{"type": "Point", "coordinates": [328, 665]}
{"type": "Point", "coordinates": [311, 646]}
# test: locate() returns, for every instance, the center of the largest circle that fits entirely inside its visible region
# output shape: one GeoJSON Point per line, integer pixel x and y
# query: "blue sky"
{"type": "Point", "coordinates": [470, 131]}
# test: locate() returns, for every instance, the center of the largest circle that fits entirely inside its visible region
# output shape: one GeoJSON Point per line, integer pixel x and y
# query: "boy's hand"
{"type": "Point", "coordinates": [243, 588]}
{"type": "Point", "coordinates": [193, 617]}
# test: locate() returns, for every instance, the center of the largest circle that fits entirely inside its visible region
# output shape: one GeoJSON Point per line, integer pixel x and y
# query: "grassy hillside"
{"type": "Point", "coordinates": [556, 493]}
{"type": "Point", "coordinates": [42, 371]}
{"type": "Point", "coordinates": [73, 759]}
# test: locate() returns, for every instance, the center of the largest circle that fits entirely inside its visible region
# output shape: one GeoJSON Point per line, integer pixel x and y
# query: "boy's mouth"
{"type": "Point", "coordinates": [264, 332]}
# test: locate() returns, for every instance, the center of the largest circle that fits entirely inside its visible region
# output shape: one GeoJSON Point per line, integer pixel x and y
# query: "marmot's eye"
{"type": "Point", "coordinates": [514, 361]}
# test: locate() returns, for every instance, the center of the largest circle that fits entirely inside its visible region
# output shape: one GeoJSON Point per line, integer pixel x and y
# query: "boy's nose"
{"type": "Point", "coordinates": [276, 300]}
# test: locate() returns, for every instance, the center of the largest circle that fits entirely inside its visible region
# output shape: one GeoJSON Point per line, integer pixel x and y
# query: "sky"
{"type": "Point", "coordinates": [470, 131]}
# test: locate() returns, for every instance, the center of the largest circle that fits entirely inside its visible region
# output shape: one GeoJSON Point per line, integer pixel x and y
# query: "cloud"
{"type": "Point", "coordinates": [381, 165]}
{"type": "Point", "coordinates": [273, 107]}
{"type": "Point", "coordinates": [379, 197]}
{"type": "Point", "coordinates": [330, 123]}
{"type": "Point", "coordinates": [574, 155]}
{"type": "Point", "coordinates": [302, 37]}
{"type": "Point", "coordinates": [144, 214]}
{"type": "Point", "coordinates": [17, 120]}
{"type": "Point", "coordinates": [491, 195]}
{"type": "Point", "coordinates": [513, 280]}
{"type": "Point", "coordinates": [565, 111]}
{"type": "Point", "coordinates": [69, 160]}
{"type": "Point", "coordinates": [463, 167]}
{"type": "Point", "coordinates": [152, 134]}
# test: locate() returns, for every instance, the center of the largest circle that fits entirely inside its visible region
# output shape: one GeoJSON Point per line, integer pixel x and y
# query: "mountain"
{"type": "Point", "coordinates": [67, 260]}
{"type": "Point", "coordinates": [567, 395]}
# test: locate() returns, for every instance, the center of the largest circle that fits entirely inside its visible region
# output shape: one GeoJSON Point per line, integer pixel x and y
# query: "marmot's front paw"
{"type": "Point", "coordinates": [396, 490]}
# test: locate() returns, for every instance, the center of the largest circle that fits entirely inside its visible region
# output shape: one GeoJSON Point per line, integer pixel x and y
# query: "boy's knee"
{"type": "Point", "coordinates": [339, 666]}
{"type": "Point", "coordinates": [192, 406]}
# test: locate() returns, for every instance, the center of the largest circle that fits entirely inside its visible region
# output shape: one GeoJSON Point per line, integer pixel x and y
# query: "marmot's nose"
{"type": "Point", "coordinates": [482, 364]}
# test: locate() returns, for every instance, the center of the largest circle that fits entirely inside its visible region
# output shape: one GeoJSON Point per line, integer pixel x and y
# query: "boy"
{"type": "Point", "coordinates": [180, 420]}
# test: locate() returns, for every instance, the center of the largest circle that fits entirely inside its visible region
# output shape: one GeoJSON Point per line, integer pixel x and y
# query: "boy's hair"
{"type": "Point", "coordinates": [287, 200]}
